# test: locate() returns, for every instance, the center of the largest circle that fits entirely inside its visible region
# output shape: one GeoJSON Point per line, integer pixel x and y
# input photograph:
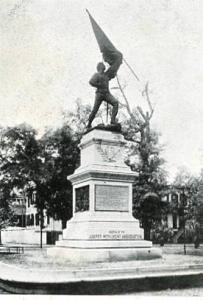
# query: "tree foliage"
{"type": "Point", "coordinates": [189, 187]}
{"type": "Point", "coordinates": [19, 159]}
{"type": "Point", "coordinates": [7, 216]}
{"type": "Point", "coordinates": [19, 155]}
{"type": "Point", "coordinates": [61, 157]}
{"type": "Point", "coordinates": [189, 208]}
{"type": "Point", "coordinates": [42, 165]}
{"type": "Point", "coordinates": [150, 182]}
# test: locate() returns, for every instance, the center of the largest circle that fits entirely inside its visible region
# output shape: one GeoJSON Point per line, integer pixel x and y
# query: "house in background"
{"type": "Point", "coordinates": [27, 226]}
{"type": "Point", "coordinates": [176, 213]}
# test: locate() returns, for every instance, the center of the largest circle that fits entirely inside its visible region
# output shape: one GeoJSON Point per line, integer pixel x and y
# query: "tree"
{"type": "Point", "coordinates": [199, 199]}
{"type": "Point", "coordinates": [149, 184]}
{"type": "Point", "coordinates": [198, 212]}
{"type": "Point", "coordinates": [61, 157]}
{"type": "Point", "coordinates": [144, 158]}
{"type": "Point", "coordinates": [183, 177]}
{"type": "Point", "coordinates": [6, 214]}
{"type": "Point", "coordinates": [21, 162]}
{"type": "Point", "coordinates": [189, 187]}
{"type": "Point", "coordinates": [40, 165]}
{"type": "Point", "coordinates": [189, 207]}
{"type": "Point", "coordinates": [19, 155]}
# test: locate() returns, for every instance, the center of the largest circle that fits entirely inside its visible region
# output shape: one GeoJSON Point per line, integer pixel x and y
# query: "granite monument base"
{"type": "Point", "coordinates": [103, 228]}
{"type": "Point", "coordinates": [103, 237]}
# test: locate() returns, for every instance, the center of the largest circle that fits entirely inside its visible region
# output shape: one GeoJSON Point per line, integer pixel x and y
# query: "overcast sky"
{"type": "Point", "coordinates": [48, 53]}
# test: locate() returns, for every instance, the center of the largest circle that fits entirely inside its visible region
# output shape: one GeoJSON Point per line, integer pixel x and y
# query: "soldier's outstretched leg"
{"type": "Point", "coordinates": [111, 100]}
{"type": "Point", "coordinates": [97, 103]}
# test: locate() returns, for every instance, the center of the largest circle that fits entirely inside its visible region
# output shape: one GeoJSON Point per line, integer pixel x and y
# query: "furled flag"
{"type": "Point", "coordinates": [110, 54]}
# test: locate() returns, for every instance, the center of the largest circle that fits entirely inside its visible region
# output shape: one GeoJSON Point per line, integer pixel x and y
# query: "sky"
{"type": "Point", "coordinates": [48, 53]}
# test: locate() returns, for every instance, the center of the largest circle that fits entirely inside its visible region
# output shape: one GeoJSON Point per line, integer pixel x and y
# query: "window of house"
{"type": "Point", "coordinates": [19, 221]}
{"type": "Point", "coordinates": [165, 198]}
{"type": "Point", "coordinates": [31, 199]}
{"type": "Point", "coordinates": [23, 221]}
{"type": "Point", "coordinates": [32, 219]}
{"type": "Point", "coordinates": [183, 199]}
{"type": "Point", "coordinates": [34, 198]}
{"type": "Point", "coordinates": [28, 220]}
{"type": "Point", "coordinates": [174, 198]}
{"type": "Point", "coordinates": [175, 221]}
{"type": "Point", "coordinates": [37, 219]}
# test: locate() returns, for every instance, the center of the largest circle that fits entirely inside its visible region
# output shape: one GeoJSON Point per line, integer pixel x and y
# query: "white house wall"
{"type": "Point", "coordinates": [22, 236]}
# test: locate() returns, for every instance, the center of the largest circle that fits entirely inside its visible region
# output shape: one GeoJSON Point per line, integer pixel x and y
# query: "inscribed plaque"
{"type": "Point", "coordinates": [111, 198]}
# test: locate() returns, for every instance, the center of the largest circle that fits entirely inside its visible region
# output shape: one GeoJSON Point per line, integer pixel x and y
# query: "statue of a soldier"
{"type": "Point", "coordinates": [100, 81]}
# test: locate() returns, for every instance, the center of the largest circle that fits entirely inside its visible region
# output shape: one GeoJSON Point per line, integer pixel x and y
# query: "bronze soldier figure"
{"type": "Point", "coordinates": [100, 80]}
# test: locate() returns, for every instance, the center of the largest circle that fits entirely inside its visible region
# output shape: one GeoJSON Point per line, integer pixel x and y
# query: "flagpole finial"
{"type": "Point", "coordinates": [87, 11]}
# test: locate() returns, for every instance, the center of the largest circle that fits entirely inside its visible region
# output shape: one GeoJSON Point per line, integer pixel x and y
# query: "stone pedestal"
{"type": "Point", "coordinates": [102, 227]}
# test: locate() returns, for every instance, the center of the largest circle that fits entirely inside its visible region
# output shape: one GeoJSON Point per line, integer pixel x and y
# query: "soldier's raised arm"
{"type": "Point", "coordinates": [114, 59]}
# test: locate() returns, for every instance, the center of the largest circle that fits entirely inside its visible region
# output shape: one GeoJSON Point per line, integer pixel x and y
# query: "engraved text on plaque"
{"type": "Point", "coordinates": [111, 198]}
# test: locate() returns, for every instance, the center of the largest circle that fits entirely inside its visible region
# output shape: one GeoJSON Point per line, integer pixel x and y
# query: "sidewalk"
{"type": "Point", "coordinates": [96, 281]}
{"type": "Point", "coordinates": [35, 273]}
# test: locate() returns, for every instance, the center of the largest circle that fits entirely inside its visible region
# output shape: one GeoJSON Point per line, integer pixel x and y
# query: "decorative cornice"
{"type": "Point", "coordinates": [98, 141]}
{"type": "Point", "coordinates": [99, 175]}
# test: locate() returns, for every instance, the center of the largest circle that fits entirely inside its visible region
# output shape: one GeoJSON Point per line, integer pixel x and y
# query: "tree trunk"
{"type": "Point", "coordinates": [147, 230]}
{"type": "Point", "coordinates": [41, 227]}
{"type": "Point", "coordinates": [0, 238]}
{"type": "Point", "coordinates": [64, 222]}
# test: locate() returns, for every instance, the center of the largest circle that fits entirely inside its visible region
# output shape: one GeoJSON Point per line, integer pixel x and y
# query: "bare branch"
{"type": "Point", "coordinates": [142, 113]}
{"type": "Point", "coordinates": [122, 104]}
{"type": "Point", "coordinates": [136, 141]}
{"type": "Point", "coordinates": [146, 93]}
{"type": "Point", "coordinates": [137, 114]}
{"type": "Point", "coordinates": [139, 118]}
{"type": "Point", "coordinates": [150, 116]}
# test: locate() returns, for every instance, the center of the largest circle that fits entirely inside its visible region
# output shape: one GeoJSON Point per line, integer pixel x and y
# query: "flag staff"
{"type": "Point", "coordinates": [102, 39]}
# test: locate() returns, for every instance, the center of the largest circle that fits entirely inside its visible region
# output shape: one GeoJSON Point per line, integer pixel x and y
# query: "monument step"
{"type": "Point", "coordinates": [80, 255]}
{"type": "Point", "coordinates": [104, 243]}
